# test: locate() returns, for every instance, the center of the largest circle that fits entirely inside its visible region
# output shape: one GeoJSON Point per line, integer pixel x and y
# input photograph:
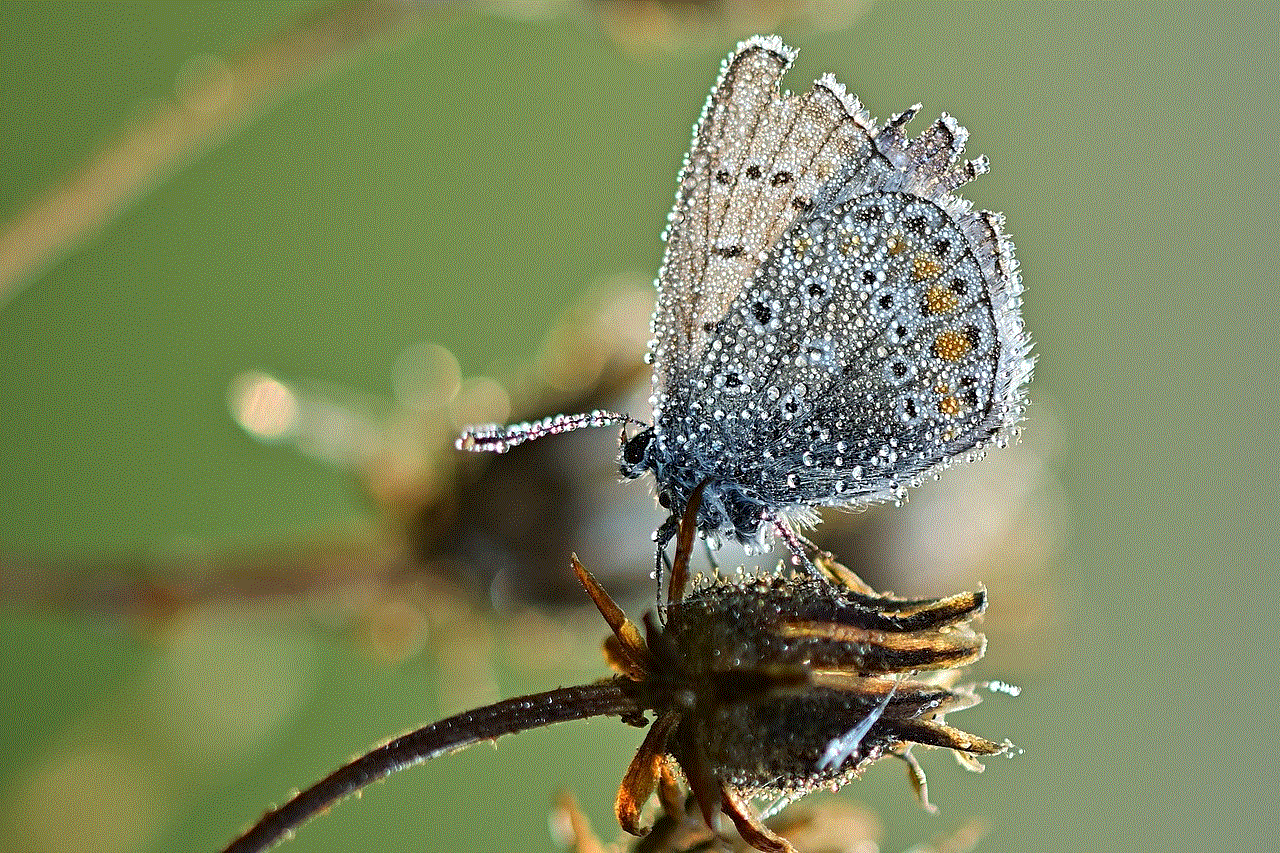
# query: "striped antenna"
{"type": "Point", "coordinates": [495, 438]}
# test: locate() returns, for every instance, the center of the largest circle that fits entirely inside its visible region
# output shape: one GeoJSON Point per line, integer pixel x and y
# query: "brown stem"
{"type": "Point", "coordinates": [449, 735]}
{"type": "Point", "coordinates": [214, 105]}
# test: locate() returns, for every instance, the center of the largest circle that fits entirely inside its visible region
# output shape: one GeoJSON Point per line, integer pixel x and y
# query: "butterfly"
{"type": "Point", "coordinates": [833, 323]}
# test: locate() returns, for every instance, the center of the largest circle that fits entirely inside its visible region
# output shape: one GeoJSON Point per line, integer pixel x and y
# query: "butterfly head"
{"type": "Point", "coordinates": [726, 512]}
{"type": "Point", "coordinates": [636, 455]}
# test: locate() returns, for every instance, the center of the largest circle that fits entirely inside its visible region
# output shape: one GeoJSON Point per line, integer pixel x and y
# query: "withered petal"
{"type": "Point", "coordinates": [621, 660]}
{"type": "Point", "coordinates": [939, 733]}
{"type": "Point", "coordinates": [642, 775]}
{"type": "Point", "coordinates": [630, 643]}
{"type": "Point", "coordinates": [879, 651]}
{"type": "Point", "coordinates": [752, 830]}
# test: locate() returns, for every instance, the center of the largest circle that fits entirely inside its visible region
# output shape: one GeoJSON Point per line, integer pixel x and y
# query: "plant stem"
{"type": "Point", "coordinates": [449, 735]}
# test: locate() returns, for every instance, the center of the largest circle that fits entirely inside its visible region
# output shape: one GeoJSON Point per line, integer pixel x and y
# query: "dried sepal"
{"type": "Point", "coordinates": [750, 827]}
{"type": "Point", "coordinates": [704, 784]}
{"type": "Point", "coordinates": [641, 777]}
{"type": "Point", "coordinates": [894, 652]}
{"type": "Point", "coordinates": [915, 775]}
{"type": "Point", "coordinates": [621, 660]}
{"type": "Point", "coordinates": [840, 575]}
{"type": "Point", "coordinates": [829, 826]}
{"type": "Point", "coordinates": [670, 795]}
{"type": "Point", "coordinates": [629, 656]}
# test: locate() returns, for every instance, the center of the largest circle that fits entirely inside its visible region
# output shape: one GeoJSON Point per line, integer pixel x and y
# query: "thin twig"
{"type": "Point", "coordinates": [210, 108]}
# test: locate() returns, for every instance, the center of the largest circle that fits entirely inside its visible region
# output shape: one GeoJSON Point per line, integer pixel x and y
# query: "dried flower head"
{"type": "Point", "coordinates": [773, 686]}
{"type": "Point", "coordinates": [760, 686]}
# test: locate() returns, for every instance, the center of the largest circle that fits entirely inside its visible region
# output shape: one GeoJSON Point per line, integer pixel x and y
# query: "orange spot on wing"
{"type": "Point", "coordinates": [952, 345]}
{"type": "Point", "coordinates": [940, 300]}
{"type": "Point", "coordinates": [925, 265]}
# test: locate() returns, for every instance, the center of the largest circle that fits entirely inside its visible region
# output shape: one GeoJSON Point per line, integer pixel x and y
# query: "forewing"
{"type": "Point", "coordinates": [758, 161]}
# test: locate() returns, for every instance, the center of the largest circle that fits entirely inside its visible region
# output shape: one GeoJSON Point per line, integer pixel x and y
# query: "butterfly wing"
{"type": "Point", "coordinates": [881, 337]}
{"type": "Point", "coordinates": [757, 162]}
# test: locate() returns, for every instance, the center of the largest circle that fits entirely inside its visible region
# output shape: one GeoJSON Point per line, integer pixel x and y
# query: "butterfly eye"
{"type": "Point", "coordinates": [635, 452]}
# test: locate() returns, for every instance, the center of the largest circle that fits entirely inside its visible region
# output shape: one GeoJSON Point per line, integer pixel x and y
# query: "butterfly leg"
{"type": "Point", "coordinates": [662, 537]}
{"type": "Point", "coordinates": [711, 557]}
{"type": "Point", "coordinates": [799, 547]}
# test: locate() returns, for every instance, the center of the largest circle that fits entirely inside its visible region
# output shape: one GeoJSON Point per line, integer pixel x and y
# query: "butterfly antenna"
{"type": "Point", "coordinates": [495, 438]}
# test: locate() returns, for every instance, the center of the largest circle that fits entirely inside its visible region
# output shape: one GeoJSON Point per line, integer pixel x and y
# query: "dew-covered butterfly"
{"type": "Point", "coordinates": [833, 323]}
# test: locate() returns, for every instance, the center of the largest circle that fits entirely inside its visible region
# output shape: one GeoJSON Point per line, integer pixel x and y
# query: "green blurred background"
{"type": "Point", "coordinates": [463, 180]}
